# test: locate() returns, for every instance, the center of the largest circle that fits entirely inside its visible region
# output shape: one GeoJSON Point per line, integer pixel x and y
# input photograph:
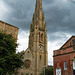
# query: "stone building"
{"type": "Point", "coordinates": [64, 58]}
{"type": "Point", "coordinates": [9, 29]}
{"type": "Point", "coordinates": [35, 57]}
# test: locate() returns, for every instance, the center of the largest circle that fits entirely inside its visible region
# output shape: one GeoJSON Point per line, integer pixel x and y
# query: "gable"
{"type": "Point", "coordinates": [69, 43]}
{"type": "Point", "coordinates": [27, 54]}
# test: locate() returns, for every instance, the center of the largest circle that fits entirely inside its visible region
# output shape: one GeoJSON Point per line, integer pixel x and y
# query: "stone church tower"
{"type": "Point", "coordinates": [36, 57]}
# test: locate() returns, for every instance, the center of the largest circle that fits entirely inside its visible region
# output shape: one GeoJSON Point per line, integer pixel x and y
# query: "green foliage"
{"type": "Point", "coordinates": [48, 71]}
{"type": "Point", "coordinates": [20, 54]}
{"type": "Point", "coordinates": [9, 60]}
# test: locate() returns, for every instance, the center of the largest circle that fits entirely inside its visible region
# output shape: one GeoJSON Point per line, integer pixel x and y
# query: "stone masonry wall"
{"type": "Point", "coordinates": [9, 29]}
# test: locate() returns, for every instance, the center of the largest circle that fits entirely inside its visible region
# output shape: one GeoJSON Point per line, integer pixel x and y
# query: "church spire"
{"type": "Point", "coordinates": [38, 38]}
{"type": "Point", "coordinates": [38, 5]}
{"type": "Point", "coordinates": [38, 10]}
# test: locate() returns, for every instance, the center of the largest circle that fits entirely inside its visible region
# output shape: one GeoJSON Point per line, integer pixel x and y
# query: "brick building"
{"type": "Point", "coordinates": [9, 29]}
{"type": "Point", "coordinates": [64, 58]}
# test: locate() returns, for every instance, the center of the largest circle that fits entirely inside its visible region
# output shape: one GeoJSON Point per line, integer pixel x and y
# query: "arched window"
{"type": "Point", "coordinates": [40, 57]}
{"type": "Point", "coordinates": [27, 63]}
{"type": "Point", "coordinates": [42, 37]}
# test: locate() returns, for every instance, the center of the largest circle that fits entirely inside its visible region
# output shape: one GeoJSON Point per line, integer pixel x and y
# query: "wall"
{"type": "Point", "coordinates": [9, 29]}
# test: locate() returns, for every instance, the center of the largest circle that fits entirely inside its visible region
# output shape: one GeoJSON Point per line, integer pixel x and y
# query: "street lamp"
{"type": "Point", "coordinates": [44, 69]}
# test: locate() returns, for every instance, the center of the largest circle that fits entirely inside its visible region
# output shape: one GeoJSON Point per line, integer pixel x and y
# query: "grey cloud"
{"type": "Point", "coordinates": [22, 13]}
{"type": "Point", "coordinates": [60, 20]}
{"type": "Point", "coordinates": [46, 2]}
{"type": "Point", "coordinates": [57, 36]}
{"type": "Point", "coordinates": [60, 17]}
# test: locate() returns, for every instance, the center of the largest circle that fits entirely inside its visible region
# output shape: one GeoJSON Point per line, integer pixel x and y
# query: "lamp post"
{"type": "Point", "coordinates": [44, 69]}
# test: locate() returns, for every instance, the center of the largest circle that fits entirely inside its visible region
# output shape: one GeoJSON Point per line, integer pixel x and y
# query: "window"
{"type": "Point", "coordinates": [27, 63]}
{"type": "Point", "coordinates": [72, 42]}
{"type": "Point", "coordinates": [42, 37]}
{"type": "Point", "coordinates": [27, 73]}
{"type": "Point", "coordinates": [65, 65]}
{"type": "Point", "coordinates": [31, 74]}
{"type": "Point", "coordinates": [40, 57]}
{"type": "Point", "coordinates": [73, 48]}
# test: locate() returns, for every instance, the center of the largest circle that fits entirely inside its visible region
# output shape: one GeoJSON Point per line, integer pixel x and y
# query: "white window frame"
{"type": "Point", "coordinates": [65, 63]}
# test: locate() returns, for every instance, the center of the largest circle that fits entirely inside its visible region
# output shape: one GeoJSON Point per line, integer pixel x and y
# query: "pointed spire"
{"type": "Point", "coordinates": [38, 16]}
{"type": "Point", "coordinates": [40, 6]}
{"type": "Point", "coordinates": [38, 9]}
{"type": "Point", "coordinates": [37, 5]}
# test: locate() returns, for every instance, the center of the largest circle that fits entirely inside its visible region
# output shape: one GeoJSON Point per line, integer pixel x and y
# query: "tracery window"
{"type": "Point", "coordinates": [27, 63]}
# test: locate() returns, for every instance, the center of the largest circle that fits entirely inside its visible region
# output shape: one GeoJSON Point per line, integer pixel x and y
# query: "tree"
{"type": "Point", "coordinates": [48, 71]}
{"type": "Point", "coordinates": [9, 60]}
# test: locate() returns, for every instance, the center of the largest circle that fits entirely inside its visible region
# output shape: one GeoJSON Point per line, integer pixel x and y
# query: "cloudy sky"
{"type": "Point", "coordinates": [59, 15]}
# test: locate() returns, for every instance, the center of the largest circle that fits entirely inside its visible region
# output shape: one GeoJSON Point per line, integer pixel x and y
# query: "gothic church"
{"type": "Point", "coordinates": [36, 57]}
